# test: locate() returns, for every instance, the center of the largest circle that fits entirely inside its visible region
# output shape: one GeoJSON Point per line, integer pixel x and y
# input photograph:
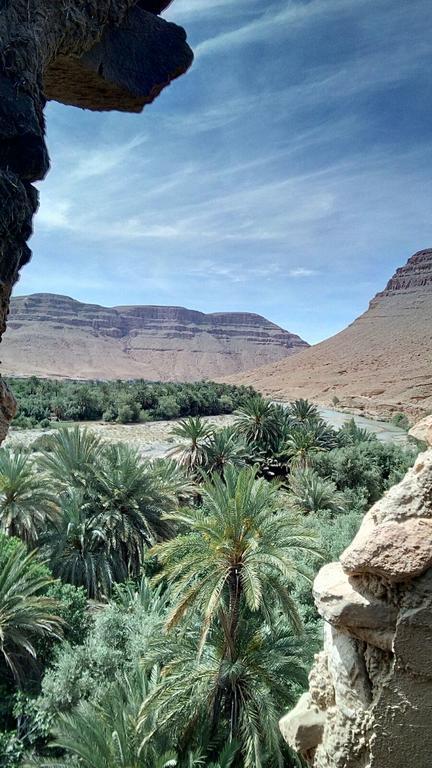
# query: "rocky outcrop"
{"type": "Point", "coordinates": [99, 54]}
{"type": "Point", "coordinates": [52, 335]}
{"type": "Point", "coordinates": [380, 364]}
{"type": "Point", "coordinates": [371, 686]}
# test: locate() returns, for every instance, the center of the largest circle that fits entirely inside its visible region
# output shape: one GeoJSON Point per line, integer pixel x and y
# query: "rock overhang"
{"type": "Point", "coordinates": [126, 69]}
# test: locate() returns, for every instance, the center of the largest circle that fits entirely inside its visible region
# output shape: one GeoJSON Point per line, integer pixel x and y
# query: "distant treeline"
{"type": "Point", "coordinates": [42, 401]}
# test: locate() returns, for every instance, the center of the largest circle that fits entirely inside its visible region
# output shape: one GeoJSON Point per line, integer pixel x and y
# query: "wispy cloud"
{"type": "Point", "coordinates": [281, 22]}
{"type": "Point", "coordinates": [297, 146]}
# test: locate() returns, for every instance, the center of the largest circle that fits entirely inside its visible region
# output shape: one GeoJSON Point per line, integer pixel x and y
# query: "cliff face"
{"type": "Point", "coordinates": [369, 703]}
{"type": "Point", "coordinates": [52, 335]}
{"type": "Point", "coordinates": [381, 363]}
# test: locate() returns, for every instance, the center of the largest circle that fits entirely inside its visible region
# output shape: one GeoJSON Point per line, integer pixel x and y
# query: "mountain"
{"type": "Point", "coordinates": [50, 335]}
{"type": "Point", "coordinates": [380, 364]}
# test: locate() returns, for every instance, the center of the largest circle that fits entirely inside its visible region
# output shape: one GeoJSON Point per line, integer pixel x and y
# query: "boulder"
{"type": "Point", "coordinates": [302, 728]}
{"type": "Point", "coordinates": [396, 551]}
{"type": "Point", "coordinates": [423, 430]}
{"type": "Point", "coordinates": [344, 601]}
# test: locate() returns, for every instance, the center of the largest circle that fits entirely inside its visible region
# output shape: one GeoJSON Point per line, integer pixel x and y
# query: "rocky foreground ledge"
{"type": "Point", "coordinates": [369, 703]}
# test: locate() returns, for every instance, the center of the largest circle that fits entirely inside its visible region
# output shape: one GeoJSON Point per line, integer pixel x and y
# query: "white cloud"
{"type": "Point", "coordinates": [302, 272]}
{"type": "Point", "coordinates": [282, 22]}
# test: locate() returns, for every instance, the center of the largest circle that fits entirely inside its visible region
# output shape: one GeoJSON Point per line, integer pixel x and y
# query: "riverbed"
{"type": "Point", "coordinates": [154, 439]}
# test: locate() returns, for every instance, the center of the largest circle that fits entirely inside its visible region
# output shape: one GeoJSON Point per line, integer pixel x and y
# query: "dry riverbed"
{"type": "Point", "coordinates": [153, 440]}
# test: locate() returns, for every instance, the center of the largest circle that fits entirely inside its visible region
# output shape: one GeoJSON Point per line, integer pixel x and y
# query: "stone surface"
{"type": "Point", "coordinates": [345, 601]}
{"type": "Point", "coordinates": [303, 727]}
{"type": "Point", "coordinates": [55, 336]}
{"type": "Point", "coordinates": [376, 696]}
{"type": "Point", "coordinates": [380, 364]}
{"type": "Point", "coordinates": [423, 430]}
{"type": "Point", "coordinates": [396, 551]}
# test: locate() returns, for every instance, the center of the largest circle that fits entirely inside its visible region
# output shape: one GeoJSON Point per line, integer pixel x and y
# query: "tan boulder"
{"type": "Point", "coordinates": [423, 430]}
{"type": "Point", "coordinates": [343, 600]}
{"type": "Point", "coordinates": [398, 551]}
{"type": "Point", "coordinates": [302, 728]}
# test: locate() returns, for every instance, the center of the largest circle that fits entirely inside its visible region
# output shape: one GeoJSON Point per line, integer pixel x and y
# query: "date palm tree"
{"type": "Point", "coordinates": [304, 442]}
{"type": "Point", "coordinates": [105, 526]}
{"type": "Point", "coordinates": [105, 735]}
{"type": "Point", "coordinates": [242, 548]}
{"type": "Point", "coordinates": [25, 612]}
{"type": "Point", "coordinates": [302, 410]}
{"type": "Point", "coordinates": [196, 433]}
{"type": "Point", "coordinates": [311, 494]}
{"type": "Point", "coordinates": [225, 448]}
{"type": "Point", "coordinates": [78, 552]}
{"type": "Point", "coordinates": [238, 696]}
{"type": "Point", "coordinates": [26, 500]}
{"type": "Point", "coordinates": [70, 456]}
{"type": "Point", "coordinates": [257, 422]}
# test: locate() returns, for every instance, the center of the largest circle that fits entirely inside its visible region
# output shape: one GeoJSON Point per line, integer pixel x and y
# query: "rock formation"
{"type": "Point", "coordinates": [369, 703]}
{"type": "Point", "coordinates": [380, 364]}
{"type": "Point", "coordinates": [99, 54]}
{"type": "Point", "coordinates": [52, 335]}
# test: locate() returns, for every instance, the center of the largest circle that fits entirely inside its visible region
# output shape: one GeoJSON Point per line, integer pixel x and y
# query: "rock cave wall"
{"type": "Point", "coordinates": [97, 54]}
{"type": "Point", "coordinates": [369, 703]}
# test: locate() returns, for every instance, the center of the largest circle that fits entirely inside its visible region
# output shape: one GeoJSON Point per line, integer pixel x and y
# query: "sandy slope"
{"type": "Point", "coordinates": [379, 364]}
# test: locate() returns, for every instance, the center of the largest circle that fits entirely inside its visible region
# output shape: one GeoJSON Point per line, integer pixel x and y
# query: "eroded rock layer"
{"type": "Point", "coordinates": [380, 364]}
{"type": "Point", "coordinates": [369, 703]}
{"type": "Point", "coordinates": [52, 335]}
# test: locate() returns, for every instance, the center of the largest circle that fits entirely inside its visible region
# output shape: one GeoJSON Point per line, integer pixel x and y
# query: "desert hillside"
{"type": "Point", "coordinates": [381, 363]}
{"type": "Point", "coordinates": [50, 335]}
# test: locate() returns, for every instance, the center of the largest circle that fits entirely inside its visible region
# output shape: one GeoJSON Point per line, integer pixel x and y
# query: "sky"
{"type": "Point", "coordinates": [288, 173]}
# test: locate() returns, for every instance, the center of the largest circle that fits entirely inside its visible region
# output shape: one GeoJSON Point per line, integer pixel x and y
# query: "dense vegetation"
{"type": "Point", "coordinates": [43, 401]}
{"type": "Point", "coordinates": [159, 613]}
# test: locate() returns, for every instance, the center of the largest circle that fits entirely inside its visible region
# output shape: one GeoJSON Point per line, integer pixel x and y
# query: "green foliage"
{"type": "Point", "coordinates": [110, 510]}
{"type": "Point", "coordinates": [238, 695]}
{"type": "Point", "coordinates": [196, 434]}
{"type": "Point", "coordinates": [401, 420]}
{"type": "Point", "coordinates": [241, 548]}
{"type": "Point", "coordinates": [311, 494]}
{"type": "Point", "coordinates": [196, 666]}
{"type": "Point", "coordinates": [25, 611]}
{"type": "Point", "coordinates": [41, 401]}
{"type": "Point", "coordinates": [371, 466]}
{"type": "Point", "coordinates": [26, 499]}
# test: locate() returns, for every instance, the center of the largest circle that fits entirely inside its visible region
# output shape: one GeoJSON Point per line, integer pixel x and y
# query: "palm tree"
{"type": "Point", "coordinates": [242, 548]}
{"type": "Point", "coordinates": [70, 456]}
{"type": "Point", "coordinates": [302, 410]}
{"type": "Point", "coordinates": [197, 433]}
{"type": "Point", "coordinates": [127, 501]}
{"type": "Point", "coordinates": [351, 434]}
{"type": "Point", "coordinates": [225, 448]}
{"type": "Point", "coordinates": [104, 527]}
{"type": "Point", "coordinates": [26, 501]}
{"type": "Point", "coordinates": [239, 697]}
{"type": "Point", "coordinates": [257, 422]}
{"type": "Point", "coordinates": [305, 441]}
{"type": "Point", "coordinates": [172, 480]}
{"type": "Point", "coordinates": [78, 550]}
{"type": "Point", "coordinates": [105, 735]}
{"type": "Point", "coordinates": [311, 494]}
{"type": "Point", "coordinates": [25, 613]}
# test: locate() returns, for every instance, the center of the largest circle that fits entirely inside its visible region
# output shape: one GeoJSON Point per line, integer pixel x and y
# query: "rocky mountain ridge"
{"type": "Point", "coordinates": [379, 364]}
{"type": "Point", "coordinates": [52, 335]}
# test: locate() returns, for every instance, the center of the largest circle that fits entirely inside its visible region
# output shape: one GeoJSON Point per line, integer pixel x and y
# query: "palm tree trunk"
{"type": "Point", "coordinates": [235, 589]}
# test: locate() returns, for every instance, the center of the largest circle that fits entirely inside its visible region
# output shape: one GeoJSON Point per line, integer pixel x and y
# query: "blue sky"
{"type": "Point", "coordinates": [289, 173]}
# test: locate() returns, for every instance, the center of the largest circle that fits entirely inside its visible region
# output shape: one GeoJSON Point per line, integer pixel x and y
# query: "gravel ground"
{"type": "Point", "coordinates": [153, 439]}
